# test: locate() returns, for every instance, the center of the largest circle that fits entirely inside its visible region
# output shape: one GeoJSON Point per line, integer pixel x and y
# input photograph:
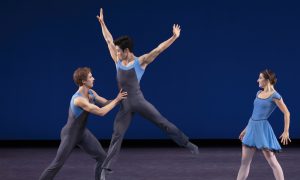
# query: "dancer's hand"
{"type": "Point", "coordinates": [285, 138]}
{"type": "Point", "coordinates": [242, 135]}
{"type": "Point", "coordinates": [176, 30]}
{"type": "Point", "coordinates": [121, 95]}
{"type": "Point", "coordinates": [100, 16]}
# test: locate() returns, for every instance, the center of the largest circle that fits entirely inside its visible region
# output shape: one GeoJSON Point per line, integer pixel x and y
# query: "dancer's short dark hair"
{"type": "Point", "coordinates": [124, 42]}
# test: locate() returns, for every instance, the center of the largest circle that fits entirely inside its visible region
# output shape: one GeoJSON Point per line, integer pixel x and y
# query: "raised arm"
{"type": "Point", "coordinates": [87, 106]}
{"type": "Point", "coordinates": [148, 58]}
{"type": "Point", "coordinates": [285, 138]}
{"type": "Point", "coordinates": [107, 36]}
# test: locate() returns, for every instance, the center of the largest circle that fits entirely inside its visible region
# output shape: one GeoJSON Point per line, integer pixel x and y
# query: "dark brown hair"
{"type": "Point", "coordinates": [124, 42]}
{"type": "Point", "coordinates": [81, 74]}
{"type": "Point", "coordinates": [269, 75]}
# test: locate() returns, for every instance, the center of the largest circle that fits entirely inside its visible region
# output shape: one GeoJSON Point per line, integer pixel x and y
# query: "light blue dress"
{"type": "Point", "coordinates": [259, 133]}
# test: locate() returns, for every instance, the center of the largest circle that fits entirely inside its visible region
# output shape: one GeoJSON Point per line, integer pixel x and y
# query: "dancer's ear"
{"type": "Point", "coordinates": [83, 82]}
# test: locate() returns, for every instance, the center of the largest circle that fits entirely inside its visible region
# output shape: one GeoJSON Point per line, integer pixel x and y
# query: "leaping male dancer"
{"type": "Point", "coordinates": [130, 70]}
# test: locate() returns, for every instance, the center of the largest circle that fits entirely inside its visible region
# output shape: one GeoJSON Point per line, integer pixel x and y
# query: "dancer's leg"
{"type": "Point", "coordinates": [121, 124]}
{"type": "Point", "coordinates": [148, 111]}
{"type": "Point", "coordinates": [65, 148]}
{"type": "Point", "coordinates": [272, 160]}
{"type": "Point", "coordinates": [91, 146]}
{"type": "Point", "coordinates": [247, 155]}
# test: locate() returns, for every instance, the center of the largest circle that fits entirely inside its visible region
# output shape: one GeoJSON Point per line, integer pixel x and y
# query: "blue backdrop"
{"type": "Point", "coordinates": [205, 83]}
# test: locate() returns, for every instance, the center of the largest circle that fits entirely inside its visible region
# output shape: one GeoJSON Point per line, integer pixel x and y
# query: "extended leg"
{"type": "Point", "coordinates": [148, 111]}
{"type": "Point", "coordinates": [91, 146]}
{"type": "Point", "coordinates": [272, 160]}
{"type": "Point", "coordinates": [121, 123]}
{"type": "Point", "coordinates": [65, 148]}
{"type": "Point", "coordinates": [247, 155]}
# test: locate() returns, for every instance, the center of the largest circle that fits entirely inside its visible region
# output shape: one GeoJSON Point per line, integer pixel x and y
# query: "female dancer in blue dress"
{"type": "Point", "coordinates": [259, 134]}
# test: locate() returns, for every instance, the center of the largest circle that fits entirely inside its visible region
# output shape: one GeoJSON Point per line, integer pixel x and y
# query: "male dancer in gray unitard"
{"type": "Point", "coordinates": [75, 131]}
{"type": "Point", "coordinates": [129, 72]}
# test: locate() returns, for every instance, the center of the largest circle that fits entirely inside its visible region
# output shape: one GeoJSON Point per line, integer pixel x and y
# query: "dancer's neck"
{"type": "Point", "coordinates": [128, 59]}
{"type": "Point", "coordinates": [83, 90]}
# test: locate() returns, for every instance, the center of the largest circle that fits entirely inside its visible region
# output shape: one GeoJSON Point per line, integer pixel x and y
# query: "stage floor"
{"type": "Point", "coordinates": [215, 163]}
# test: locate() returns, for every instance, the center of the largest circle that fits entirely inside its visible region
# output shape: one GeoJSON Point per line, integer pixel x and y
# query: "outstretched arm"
{"type": "Point", "coordinates": [107, 36]}
{"type": "Point", "coordinates": [100, 100]}
{"type": "Point", "coordinates": [87, 106]}
{"type": "Point", "coordinates": [148, 58]}
{"type": "Point", "coordinates": [285, 138]}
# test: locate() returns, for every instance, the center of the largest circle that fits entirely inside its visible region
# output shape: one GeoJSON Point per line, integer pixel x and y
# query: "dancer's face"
{"type": "Point", "coordinates": [90, 81]}
{"type": "Point", "coordinates": [262, 82]}
{"type": "Point", "coordinates": [122, 54]}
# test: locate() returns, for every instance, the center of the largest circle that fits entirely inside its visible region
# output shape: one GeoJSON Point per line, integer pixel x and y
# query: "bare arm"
{"type": "Point", "coordinates": [108, 37]}
{"type": "Point", "coordinates": [87, 106]}
{"type": "Point", "coordinates": [285, 139]}
{"type": "Point", "coordinates": [148, 58]}
{"type": "Point", "coordinates": [99, 99]}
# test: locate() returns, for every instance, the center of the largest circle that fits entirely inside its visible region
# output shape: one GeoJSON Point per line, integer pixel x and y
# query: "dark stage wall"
{"type": "Point", "coordinates": [205, 83]}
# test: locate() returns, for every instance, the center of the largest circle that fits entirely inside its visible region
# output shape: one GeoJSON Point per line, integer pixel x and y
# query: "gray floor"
{"type": "Point", "coordinates": [147, 164]}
